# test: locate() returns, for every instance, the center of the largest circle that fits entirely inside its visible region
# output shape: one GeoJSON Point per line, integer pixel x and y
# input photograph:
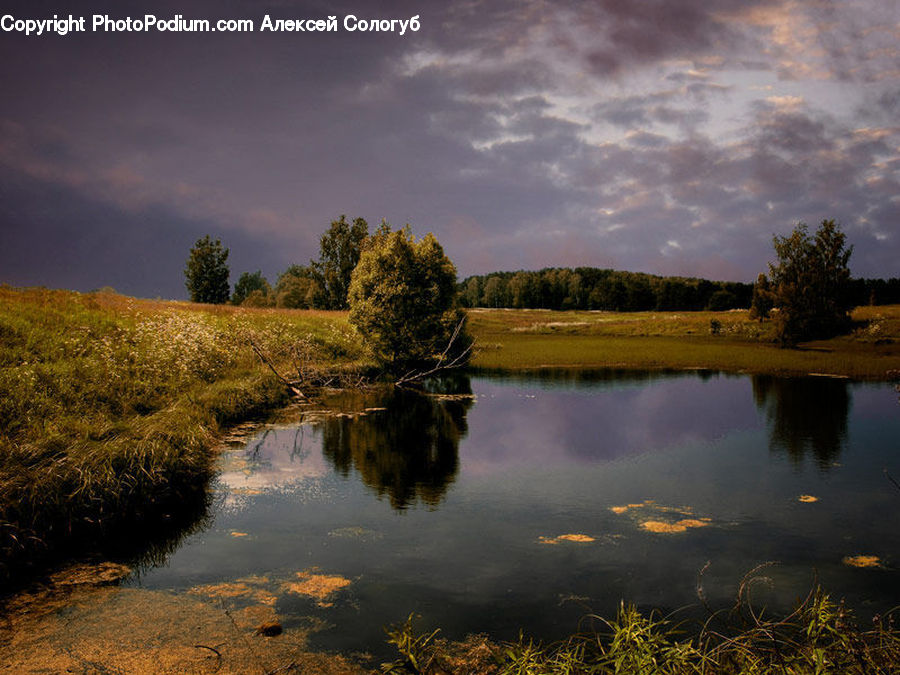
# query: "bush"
{"type": "Point", "coordinates": [403, 300]}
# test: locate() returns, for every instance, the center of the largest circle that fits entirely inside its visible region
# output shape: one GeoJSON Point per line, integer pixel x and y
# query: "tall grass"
{"type": "Point", "coordinates": [109, 406]}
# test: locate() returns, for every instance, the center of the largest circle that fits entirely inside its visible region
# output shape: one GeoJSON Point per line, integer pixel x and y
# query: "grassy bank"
{"type": "Point", "coordinates": [820, 636]}
{"type": "Point", "coordinates": [110, 405]}
{"type": "Point", "coordinates": [729, 341]}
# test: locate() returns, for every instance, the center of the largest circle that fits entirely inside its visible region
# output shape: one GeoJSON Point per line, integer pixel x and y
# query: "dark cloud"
{"type": "Point", "coordinates": [654, 136]}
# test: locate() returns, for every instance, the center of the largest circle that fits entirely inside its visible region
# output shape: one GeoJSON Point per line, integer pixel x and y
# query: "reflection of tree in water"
{"type": "Point", "coordinates": [409, 450]}
{"type": "Point", "coordinates": [807, 414]}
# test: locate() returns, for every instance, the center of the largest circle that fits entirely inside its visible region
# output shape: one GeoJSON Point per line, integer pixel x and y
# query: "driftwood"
{"type": "Point", "coordinates": [290, 384]}
{"type": "Point", "coordinates": [444, 362]}
{"type": "Point", "coordinates": [309, 378]}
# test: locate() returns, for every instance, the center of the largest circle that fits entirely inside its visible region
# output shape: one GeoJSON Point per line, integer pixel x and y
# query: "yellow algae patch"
{"type": "Point", "coordinates": [694, 522]}
{"type": "Point", "coordinates": [862, 561]}
{"type": "Point", "coordinates": [317, 586]}
{"type": "Point", "coordinates": [254, 579]}
{"type": "Point", "coordinates": [223, 590]}
{"type": "Point", "coordinates": [237, 589]}
{"type": "Point", "coordinates": [576, 538]}
{"type": "Point", "coordinates": [264, 597]}
{"type": "Point", "coordinates": [640, 505]}
{"type": "Point", "coordinates": [807, 499]}
{"type": "Point", "coordinates": [661, 527]}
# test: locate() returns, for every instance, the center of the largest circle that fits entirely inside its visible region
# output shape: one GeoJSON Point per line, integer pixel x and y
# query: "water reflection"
{"type": "Point", "coordinates": [805, 416]}
{"type": "Point", "coordinates": [408, 449]}
{"type": "Point", "coordinates": [144, 540]}
{"type": "Point", "coordinates": [554, 418]}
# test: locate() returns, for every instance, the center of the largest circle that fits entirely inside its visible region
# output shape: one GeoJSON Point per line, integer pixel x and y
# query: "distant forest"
{"type": "Point", "coordinates": [592, 288]}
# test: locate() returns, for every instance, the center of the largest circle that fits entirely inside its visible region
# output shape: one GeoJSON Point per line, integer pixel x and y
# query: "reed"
{"type": "Point", "coordinates": [819, 636]}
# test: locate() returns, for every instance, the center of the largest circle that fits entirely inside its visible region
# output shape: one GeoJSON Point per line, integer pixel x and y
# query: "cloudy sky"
{"type": "Point", "coordinates": [670, 137]}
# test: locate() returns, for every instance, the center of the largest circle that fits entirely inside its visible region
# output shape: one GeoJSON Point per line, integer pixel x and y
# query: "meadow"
{"type": "Point", "coordinates": [110, 405]}
{"type": "Point", "coordinates": [729, 341]}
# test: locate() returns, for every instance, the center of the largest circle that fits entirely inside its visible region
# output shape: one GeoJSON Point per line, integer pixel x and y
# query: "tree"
{"type": "Point", "coordinates": [247, 283]}
{"type": "Point", "coordinates": [810, 283]}
{"type": "Point", "coordinates": [494, 292]}
{"type": "Point", "coordinates": [721, 300]}
{"type": "Point", "coordinates": [473, 292]}
{"type": "Point", "coordinates": [763, 299]}
{"type": "Point", "coordinates": [206, 273]}
{"type": "Point", "coordinates": [339, 251]}
{"type": "Point", "coordinates": [403, 300]}
{"type": "Point", "coordinates": [299, 287]}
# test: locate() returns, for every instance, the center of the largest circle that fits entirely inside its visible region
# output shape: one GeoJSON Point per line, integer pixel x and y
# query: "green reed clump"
{"type": "Point", "coordinates": [109, 406]}
{"type": "Point", "coordinates": [820, 636]}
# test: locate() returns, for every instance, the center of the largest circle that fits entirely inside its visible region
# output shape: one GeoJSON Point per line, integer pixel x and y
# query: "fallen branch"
{"type": "Point", "coordinates": [288, 383]}
{"type": "Point", "coordinates": [442, 363]}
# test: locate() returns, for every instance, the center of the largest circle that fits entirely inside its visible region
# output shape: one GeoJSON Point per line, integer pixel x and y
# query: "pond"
{"type": "Point", "coordinates": [530, 502]}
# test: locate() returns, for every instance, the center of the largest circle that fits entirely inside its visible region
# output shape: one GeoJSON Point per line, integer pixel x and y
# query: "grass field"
{"type": "Point", "coordinates": [534, 339]}
{"type": "Point", "coordinates": [110, 405]}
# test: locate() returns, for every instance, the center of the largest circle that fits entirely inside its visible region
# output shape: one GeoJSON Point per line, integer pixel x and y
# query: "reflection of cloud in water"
{"type": "Point", "coordinates": [275, 456]}
{"type": "Point", "coordinates": [279, 458]}
{"type": "Point", "coordinates": [608, 421]}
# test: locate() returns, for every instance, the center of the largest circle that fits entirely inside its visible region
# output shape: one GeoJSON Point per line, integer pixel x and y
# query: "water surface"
{"type": "Point", "coordinates": [529, 502]}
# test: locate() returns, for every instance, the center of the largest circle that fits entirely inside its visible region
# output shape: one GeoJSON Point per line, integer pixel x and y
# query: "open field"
{"type": "Point", "coordinates": [110, 405]}
{"type": "Point", "coordinates": [531, 339]}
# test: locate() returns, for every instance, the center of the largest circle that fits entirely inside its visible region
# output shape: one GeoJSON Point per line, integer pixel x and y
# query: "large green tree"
{"type": "Point", "coordinates": [403, 300]}
{"type": "Point", "coordinates": [206, 272]}
{"type": "Point", "coordinates": [339, 250]}
{"type": "Point", "coordinates": [810, 283]}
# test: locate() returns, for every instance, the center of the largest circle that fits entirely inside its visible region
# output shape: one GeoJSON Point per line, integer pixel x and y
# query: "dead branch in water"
{"type": "Point", "coordinates": [288, 383]}
{"type": "Point", "coordinates": [309, 377]}
{"type": "Point", "coordinates": [444, 362]}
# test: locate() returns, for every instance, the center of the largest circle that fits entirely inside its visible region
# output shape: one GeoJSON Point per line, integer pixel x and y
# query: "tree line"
{"type": "Point", "coordinates": [324, 283]}
{"type": "Point", "coordinates": [590, 288]}
{"type": "Point", "coordinates": [808, 292]}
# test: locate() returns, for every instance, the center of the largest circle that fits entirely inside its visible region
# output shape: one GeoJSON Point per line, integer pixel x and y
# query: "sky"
{"type": "Point", "coordinates": [673, 138]}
